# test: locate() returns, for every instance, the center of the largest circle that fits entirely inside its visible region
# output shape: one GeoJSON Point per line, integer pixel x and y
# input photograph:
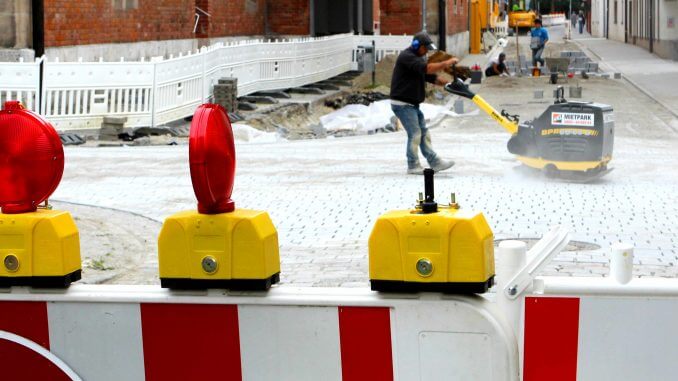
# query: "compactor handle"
{"type": "Point", "coordinates": [458, 87]}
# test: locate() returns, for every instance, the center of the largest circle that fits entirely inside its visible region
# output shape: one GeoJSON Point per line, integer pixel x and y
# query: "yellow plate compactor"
{"type": "Point", "coordinates": [570, 140]}
{"type": "Point", "coordinates": [432, 247]}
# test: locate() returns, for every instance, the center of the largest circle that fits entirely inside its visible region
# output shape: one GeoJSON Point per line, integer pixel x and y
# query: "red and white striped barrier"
{"type": "Point", "coordinates": [137, 333]}
{"type": "Point", "coordinates": [593, 329]}
{"type": "Point", "coordinates": [574, 329]}
{"type": "Point", "coordinates": [553, 19]}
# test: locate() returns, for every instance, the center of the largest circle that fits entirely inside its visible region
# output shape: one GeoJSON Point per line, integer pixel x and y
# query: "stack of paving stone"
{"type": "Point", "coordinates": [112, 127]}
{"type": "Point", "coordinates": [226, 93]}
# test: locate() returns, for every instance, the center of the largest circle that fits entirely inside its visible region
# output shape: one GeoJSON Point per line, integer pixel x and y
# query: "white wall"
{"type": "Point", "coordinates": [598, 18]}
{"type": "Point", "coordinates": [668, 9]}
{"type": "Point", "coordinates": [616, 31]}
{"type": "Point", "coordinates": [458, 44]}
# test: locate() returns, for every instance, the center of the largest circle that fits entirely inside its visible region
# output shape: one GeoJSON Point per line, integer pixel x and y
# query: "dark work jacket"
{"type": "Point", "coordinates": [409, 78]}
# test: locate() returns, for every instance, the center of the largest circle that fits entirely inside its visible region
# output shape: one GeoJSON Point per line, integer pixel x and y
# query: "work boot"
{"type": "Point", "coordinates": [418, 170]}
{"type": "Point", "coordinates": [443, 165]}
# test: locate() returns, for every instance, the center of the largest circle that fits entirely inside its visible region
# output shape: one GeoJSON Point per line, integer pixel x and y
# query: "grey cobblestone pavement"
{"type": "Point", "coordinates": [324, 195]}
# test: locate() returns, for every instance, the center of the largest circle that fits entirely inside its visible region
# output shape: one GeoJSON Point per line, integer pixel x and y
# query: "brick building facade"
{"type": "Point", "coordinates": [70, 22]}
{"type": "Point", "coordinates": [143, 28]}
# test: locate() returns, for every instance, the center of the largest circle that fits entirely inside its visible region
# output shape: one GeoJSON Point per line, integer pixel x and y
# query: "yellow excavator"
{"type": "Point", "coordinates": [519, 17]}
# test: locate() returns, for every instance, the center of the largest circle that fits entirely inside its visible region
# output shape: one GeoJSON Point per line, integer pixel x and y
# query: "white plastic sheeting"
{"type": "Point", "coordinates": [365, 119]}
{"type": "Point", "coordinates": [248, 134]}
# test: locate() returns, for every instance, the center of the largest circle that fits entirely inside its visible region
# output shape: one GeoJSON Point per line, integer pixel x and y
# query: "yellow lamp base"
{"type": "Point", "coordinates": [40, 249]}
{"type": "Point", "coordinates": [449, 251]}
{"type": "Point", "coordinates": [236, 250]}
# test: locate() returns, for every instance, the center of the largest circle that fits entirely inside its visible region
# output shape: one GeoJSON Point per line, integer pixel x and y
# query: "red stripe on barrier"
{"type": "Point", "coordinates": [365, 336]}
{"type": "Point", "coordinates": [191, 342]}
{"type": "Point", "coordinates": [28, 320]}
{"type": "Point", "coordinates": [20, 363]}
{"type": "Point", "coordinates": [551, 339]}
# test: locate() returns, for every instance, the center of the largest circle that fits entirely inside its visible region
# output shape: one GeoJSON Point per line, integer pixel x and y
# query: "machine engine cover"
{"type": "Point", "coordinates": [574, 132]}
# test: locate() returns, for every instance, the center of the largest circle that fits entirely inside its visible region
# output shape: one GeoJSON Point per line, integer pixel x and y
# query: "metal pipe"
{"type": "Point", "coordinates": [651, 26]}
{"type": "Point", "coordinates": [423, 15]}
{"type": "Point", "coordinates": [643, 287]}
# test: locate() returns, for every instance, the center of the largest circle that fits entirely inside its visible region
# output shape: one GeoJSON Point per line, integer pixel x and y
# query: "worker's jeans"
{"type": "Point", "coordinates": [536, 56]}
{"type": "Point", "coordinates": [418, 136]}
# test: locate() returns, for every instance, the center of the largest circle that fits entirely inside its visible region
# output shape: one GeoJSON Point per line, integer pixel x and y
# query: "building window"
{"type": "Point", "coordinates": [455, 9]}
{"type": "Point", "coordinates": [615, 11]}
{"type": "Point", "coordinates": [251, 6]}
{"type": "Point", "coordinates": [123, 5]}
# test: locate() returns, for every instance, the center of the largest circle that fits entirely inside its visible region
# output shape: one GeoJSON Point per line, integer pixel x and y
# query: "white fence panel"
{"type": "Point", "coordinates": [260, 65]}
{"type": "Point", "coordinates": [178, 87]}
{"type": "Point", "coordinates": [20, 81]}
{"type": "Point", "coordinates": [77, 95]}
{"type": "Point", "coordinates": [501, 28]}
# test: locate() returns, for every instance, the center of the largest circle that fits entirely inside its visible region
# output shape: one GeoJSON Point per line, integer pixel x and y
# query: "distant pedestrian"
{"type": "Point", "coordinates": [539, 38]}
{"type": "Point", "coordinates": [408, 91]}
{"type": "Point", "coordinates": [573, 19]}
{"type": "Point", "coordinates": [582, 20]}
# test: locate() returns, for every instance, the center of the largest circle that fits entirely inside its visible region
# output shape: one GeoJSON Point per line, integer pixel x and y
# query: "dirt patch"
{"type": "Point", "coordinates": [383, 74]}
{"type": "Point", "coordinates": [292, 121]}
{"type": "Point", "coordinates": [116, 247]}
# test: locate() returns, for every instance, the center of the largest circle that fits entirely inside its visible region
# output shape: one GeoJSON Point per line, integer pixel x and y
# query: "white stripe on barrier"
{"type": "Point", "coordinates": [276, 341]}
{"type": "Point", "coordinates": [98, 336]}
{"type": "Point", "coordinates": [627, 339]}
{"type": "Point", "coordinates": [452, 326]}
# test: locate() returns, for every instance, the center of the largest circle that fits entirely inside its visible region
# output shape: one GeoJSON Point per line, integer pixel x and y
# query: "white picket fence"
{"type": "Point", "coordinates": [78, 95]}
{"type": "Point", "coordinates": [20, 81]}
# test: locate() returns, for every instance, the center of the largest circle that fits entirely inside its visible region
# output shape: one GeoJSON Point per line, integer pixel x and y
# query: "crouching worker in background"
{"type": "Point", "coordinates": [497, 67]}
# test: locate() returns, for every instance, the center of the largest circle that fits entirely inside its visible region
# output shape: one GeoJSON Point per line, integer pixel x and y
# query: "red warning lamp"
{"type": "Point", "coordinates": [211, 153]}
{"type": "Point", "coordinates": [31, 159]}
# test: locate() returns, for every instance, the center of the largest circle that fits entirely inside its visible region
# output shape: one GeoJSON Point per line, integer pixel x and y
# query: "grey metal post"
{"type": "Point", "coordinates": [311, 13]}
{"type": "Point", "coordinates": [423, 15]}
{"type": "Point", "coordinates": [359, 27]}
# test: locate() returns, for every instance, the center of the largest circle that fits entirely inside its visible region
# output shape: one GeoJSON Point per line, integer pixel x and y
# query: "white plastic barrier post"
{"type": "Point", "coordinates": [621, 263]}
{"type": "Point", "coordinates": [511, 259]}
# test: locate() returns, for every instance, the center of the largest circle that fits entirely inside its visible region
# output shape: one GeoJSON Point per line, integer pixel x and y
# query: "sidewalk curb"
{"type": "Point", "coordinates": [632, 82]}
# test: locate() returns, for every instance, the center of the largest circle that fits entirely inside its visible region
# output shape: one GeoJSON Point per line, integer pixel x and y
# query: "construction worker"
{"type": "Point", "coordinates": [539, 37]}
{"type": "Point", "coordinates": [497, 66]}
{"type": "Point", "coordinates": [408, 90]}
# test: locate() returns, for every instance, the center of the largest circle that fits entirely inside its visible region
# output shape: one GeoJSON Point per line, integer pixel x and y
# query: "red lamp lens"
{"type": "Point", "coordinates": [31, 159]}
{"type": "Point", "coordinates": [211, 153]}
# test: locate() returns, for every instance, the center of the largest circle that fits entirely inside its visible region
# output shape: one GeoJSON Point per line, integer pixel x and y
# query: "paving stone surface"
{"type": "Point", "coordinates": [324, 195]}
